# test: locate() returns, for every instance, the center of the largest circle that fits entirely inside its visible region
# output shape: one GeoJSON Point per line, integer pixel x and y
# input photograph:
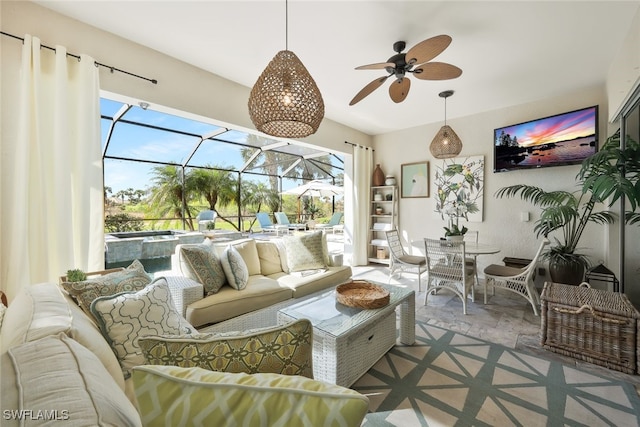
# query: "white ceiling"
{"type": "Point", "coordinates": [510, 52]}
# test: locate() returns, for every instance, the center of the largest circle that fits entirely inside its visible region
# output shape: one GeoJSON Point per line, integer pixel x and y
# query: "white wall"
{"type": "Point", "coordinates": [501, 225]}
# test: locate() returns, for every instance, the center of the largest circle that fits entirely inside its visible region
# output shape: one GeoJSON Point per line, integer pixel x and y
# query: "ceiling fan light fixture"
{"type": "Point", "coordinates": [446, 143]}
{"type": "Point", "coordinates": [285, 100]}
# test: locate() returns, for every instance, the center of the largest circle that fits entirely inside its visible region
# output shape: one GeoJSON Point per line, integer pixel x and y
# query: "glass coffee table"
{"type": "Point", "coordinates": [348, 341]}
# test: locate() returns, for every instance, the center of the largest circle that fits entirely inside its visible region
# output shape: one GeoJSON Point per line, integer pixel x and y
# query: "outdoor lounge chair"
{"type": "Point", "coordinates": [333, 224]}
{"type": "Point", "coordinates": [267, 226]}
{"type": "Point", "coordinates": [282, 219]}
{"type": "Point", "coordinates": [206, 220]}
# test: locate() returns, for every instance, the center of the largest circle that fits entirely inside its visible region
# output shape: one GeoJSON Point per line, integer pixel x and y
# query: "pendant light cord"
{"type": "Point", "coordinates": [445, 111]}
{"type": "Point", "coordinates": [286, 25]}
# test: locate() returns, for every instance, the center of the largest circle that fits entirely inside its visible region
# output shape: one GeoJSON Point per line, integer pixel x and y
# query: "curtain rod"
{"type": "Point", "coordinates": [357, 145]}
{"type": "Point", "coordinates": [98, 64]}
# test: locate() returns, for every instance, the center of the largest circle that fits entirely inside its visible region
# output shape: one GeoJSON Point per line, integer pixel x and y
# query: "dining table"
{"type": "Point", "coordinates": [470, 248]}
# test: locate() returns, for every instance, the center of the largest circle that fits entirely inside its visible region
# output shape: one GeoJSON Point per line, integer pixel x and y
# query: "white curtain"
{"type": "Point", "coordinates": [362, 169]}
{"type": "Point", "coordinates": [52, 203]}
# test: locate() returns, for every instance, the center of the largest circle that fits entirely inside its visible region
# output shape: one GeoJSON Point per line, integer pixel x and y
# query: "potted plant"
{"type": "Point", "coordinates": [453, 231]}
{"type": "Point", "coordinates": [613, 173]}
{"type": "Point", "coordinates": [599, 178]}
{"type": "Point", "coordinates": [76, 275]}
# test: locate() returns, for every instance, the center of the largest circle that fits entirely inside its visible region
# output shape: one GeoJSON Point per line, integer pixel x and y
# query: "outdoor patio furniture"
{"type": "Point", "coordinates": [267, 226]}
{"type": "Point", "coordinates": [283, 220]}
{"type": "Point", "coordinates": [333, 224]}
{"type": "Point", "coordinates": [206, 220]}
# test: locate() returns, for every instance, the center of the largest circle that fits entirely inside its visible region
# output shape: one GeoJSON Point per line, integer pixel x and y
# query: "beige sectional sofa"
{"type": "Point", "coordinates": [278, 269]}
{"type": "Point", "coordinates": [59, 365]}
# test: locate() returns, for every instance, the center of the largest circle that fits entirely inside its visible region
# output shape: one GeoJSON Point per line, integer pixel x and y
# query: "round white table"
{"type": "Point", "coordinates": [470, 248]}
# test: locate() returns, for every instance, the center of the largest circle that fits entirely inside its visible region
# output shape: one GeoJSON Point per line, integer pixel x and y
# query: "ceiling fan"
{"type": "Point", "coordinates": [415, 61]}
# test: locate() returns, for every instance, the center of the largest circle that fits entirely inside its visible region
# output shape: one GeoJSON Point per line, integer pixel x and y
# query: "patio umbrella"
{"type": "Point", "coordinates": [315, 189]}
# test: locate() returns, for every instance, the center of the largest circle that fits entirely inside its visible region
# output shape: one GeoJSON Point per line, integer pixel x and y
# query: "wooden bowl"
{"type": "Point", "coordinates": [362, 294]}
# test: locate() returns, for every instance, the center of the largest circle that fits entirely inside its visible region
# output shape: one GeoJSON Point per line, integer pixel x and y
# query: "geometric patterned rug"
{"type": "Point", "coordinates": [450, 379]}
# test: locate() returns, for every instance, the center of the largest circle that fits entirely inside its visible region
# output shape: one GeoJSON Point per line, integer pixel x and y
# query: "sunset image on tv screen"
{"type": "Point", "coordinates": [562, 139]}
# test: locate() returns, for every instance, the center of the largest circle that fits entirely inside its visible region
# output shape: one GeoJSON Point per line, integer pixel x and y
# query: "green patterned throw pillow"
{"type": "Point", "coordinates": [235, 268]}
{"type": "Point", "coordinates": [125, 317]}
{"type": "Point", "coordinates": [170, 395]}
{"type": "Point", "coordinates": [305, 251]}
{"type": "Point", "coordinates": [200, 263]}
{"type": "Point", "coordinates": [133, 278]}
{"type": "Point", "coordinates": [285, 349]}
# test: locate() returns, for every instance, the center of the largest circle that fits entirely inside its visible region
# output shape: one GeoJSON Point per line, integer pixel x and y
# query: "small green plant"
{"type": "Point", "coordinates": [211, 225]}
{"type": "Point", "coordinates": [76, 275]}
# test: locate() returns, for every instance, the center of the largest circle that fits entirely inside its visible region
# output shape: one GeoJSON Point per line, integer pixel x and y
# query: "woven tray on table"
{"type": "Point", "coordinates": [593, 325]}
{"type": "Point", "coordinates": [362, 294]}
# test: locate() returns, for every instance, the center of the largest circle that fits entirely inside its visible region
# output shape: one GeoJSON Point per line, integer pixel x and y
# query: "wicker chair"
{"type": "Point", "coordinates": [518, 280]}
{"type": "Point", "coordinates": [471, 260]}
{"type": "Point", "coordinates": [401, 261]}
{"type": "Point", "coordinates": [448, 269]}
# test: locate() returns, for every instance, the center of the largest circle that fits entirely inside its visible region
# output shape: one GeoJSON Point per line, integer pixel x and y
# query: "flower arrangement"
{"type": "Point", "coordinates": [455, 212]}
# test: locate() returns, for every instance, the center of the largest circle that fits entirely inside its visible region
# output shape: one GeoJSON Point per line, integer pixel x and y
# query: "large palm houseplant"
{"type": "Point", "coordinates": [605, 177]}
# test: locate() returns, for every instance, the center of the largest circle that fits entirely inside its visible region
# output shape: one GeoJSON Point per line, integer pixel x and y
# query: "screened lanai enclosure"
{"type": "Point", "coordinates": [161, 170]}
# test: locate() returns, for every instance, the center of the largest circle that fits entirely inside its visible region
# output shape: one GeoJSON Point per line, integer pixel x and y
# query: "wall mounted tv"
{"type": "Point", "coordinates": [563, 139]}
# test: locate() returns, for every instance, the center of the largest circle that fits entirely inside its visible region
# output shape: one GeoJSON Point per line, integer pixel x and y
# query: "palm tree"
{"type": "Point", "coordinates": [256, 194]}
{"type": "Point", "coordinates": [168, 191]}
{"type": "Point", "coordinates": [217, 186]}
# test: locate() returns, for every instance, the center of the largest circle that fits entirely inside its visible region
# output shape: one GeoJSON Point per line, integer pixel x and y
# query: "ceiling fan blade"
{"type": "Point", "coordinates": [399, 89]}
{"type": "Point", "coordinates": [437, 71]}
{"type": "Point", "coordinates": [427, 49]}
{"type": "Point", "coordinates": [365, 91]}
{"type": "Point", "coordinates": [377, 66]}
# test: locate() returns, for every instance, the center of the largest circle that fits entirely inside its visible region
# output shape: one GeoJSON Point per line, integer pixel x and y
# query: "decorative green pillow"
{"type": "Point", "coordinates": [234, 268]}
{"type": "Point", "coordinates": [200, 263]}
{"type": "Point", "coordinates": [133, 278]}
{"type": "Point", "coordinates": [170, 395]}
{"type": "Point", "coordinates": [304, 251]}
{"type": "Point", "coordinates": [125, 317]}
{"type": "Point", "coordinates": [285, 349]}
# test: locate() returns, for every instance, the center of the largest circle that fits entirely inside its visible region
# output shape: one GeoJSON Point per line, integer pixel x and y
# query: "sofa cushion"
{"type": "Point", "coordinates": [285, 349]}
{"type": "Point", "coordinates": [133, 278]}
{"type": "Point", "coordinates": [58, 375]}
{"type": "Point", "coordinates": [169, 395]}
{"type": "Point", "coordinates": [303, 285]}
{"type": "Point", "coordinates": [304, 251]}
{"type": "Point", "coordinates": [200, 263]}
{"type": "Point", "coordinates": [249, 252]}
{"type": "Point", "coordinates": [234, 268]}
{"type": "Point", "coordinates": [125, 317]}
{"type": "Point", "coordinates": [260, 292]}
{"type": "Point", "coordinates": [269, 255]}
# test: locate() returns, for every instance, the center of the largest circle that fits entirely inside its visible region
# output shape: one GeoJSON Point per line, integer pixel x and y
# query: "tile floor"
{"type": "Point", "coordinates": [507, 318]}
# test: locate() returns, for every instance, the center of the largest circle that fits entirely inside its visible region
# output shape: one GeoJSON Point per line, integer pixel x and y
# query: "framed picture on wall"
{"type": "Point", "coordinates": [414, 179]}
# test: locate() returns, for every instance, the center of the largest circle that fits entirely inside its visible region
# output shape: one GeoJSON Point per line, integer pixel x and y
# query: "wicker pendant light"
{"type": "Point", "coordinates": [446, 143]}
{"type": "Point", "coordinates": [285, 101]}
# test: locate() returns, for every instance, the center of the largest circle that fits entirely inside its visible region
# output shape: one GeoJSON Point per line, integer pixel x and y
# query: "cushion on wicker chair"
{"type": "Point", "coordinates": [285, 349]}
{"type": "Point", "coordinates": [502, 270]}
{"type": "Point", "coordinates": [413, 259]}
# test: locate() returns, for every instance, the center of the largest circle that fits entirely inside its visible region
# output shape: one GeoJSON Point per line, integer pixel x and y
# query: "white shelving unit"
{"type": "Point", "coordinates": [383, 216]}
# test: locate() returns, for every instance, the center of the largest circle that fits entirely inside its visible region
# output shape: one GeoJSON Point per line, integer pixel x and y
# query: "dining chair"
{"type": "Point", "coordinates": [400, 260]}
{"type": "Point", "coordinates": [518, 280]}
{"type": "Point", "coordinates": [471, 260]}
{"type": "Point", "coordinates": [448, 269]}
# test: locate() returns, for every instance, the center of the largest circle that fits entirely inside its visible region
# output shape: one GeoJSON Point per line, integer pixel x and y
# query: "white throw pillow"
{"type": "Point", "coordinates": [234, 268]}
{"type": "Point", "coordinates": [125, 317]}
{"type": "Point", "coordinates": [305, 251]}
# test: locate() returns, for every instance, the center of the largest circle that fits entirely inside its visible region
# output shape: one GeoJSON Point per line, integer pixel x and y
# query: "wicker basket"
{"type": "Point", "coordinates": [593, 325]}
{"type": "Point", "coordinates": [362, 294]}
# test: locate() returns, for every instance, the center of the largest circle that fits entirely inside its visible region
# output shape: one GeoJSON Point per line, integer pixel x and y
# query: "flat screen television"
{"type": "Point", "coordinates": [563, 139]}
